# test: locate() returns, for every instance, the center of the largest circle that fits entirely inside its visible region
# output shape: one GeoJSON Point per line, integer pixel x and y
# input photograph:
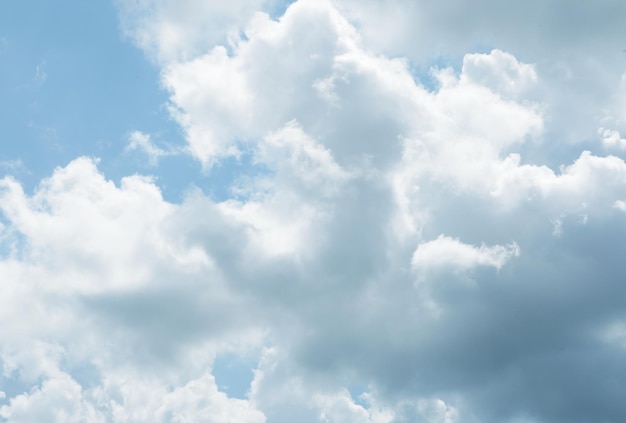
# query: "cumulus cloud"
{"type": "Point", "coordinates": [446, 251]}
{"type": "Point", "coordinates": [612, 138]}
{"type": "Point", "coordinates": [410, 251]}
{"type": "Point", "coordinates": [547, 35]}
{"type": "Point", "coordinates": [499, 71]}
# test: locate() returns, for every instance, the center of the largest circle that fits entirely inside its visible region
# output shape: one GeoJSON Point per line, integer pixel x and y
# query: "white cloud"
{"type": "Point", "coordinates": [340, 407]}
{"type": "Point", "coordinates": [171, 30]}
{"type": "Point", "coordinates": [499, 71]}
{"type": "Point", "coordinates": [449, 252]}
{"type": "Point", "coordinates": [295, 156]}
{"type": "Point", "coordinates": [221, 99]}
{"type": "Point", "coordinates": [198, 400]}
{"type": "Point", "coordinates": [612, 138]}
{"type": "Point", "coordinates": [535, 32]}
{"type": "Point", "coordinates": [82, 219]}
{"type": "Point", "coordinates": [106, 272]}
{"type": "Point", "coordinates": [57, 400]}
{"type": "Point", "coordinates": [141, 141]}
{"type": "Point", "coordinates": [312, 264]}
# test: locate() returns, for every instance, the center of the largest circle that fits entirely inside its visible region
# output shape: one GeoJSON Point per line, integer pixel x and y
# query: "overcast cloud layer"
{"type": "Point", "coordinates": [434, 230]}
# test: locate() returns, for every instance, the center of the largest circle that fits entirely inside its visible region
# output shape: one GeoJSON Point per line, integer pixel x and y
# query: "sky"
{"type": "Point", "coordinates": [316, 211]}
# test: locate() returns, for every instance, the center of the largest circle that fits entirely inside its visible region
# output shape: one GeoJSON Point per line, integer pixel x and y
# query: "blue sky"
{"type": "Point", "coordinates": [318, 211]}
{"type": "Point", "coordinates": [69, 95]}
{"type": "Point", "coordinates": [73, 85]}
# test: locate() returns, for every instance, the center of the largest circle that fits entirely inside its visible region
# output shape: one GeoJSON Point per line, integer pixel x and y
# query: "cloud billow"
{"type": "Point", "coordinates": [400, 239]}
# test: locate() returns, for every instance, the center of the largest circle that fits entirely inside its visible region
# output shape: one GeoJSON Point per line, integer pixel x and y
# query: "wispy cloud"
{"type": "Point", "coordinates": [139, 141]}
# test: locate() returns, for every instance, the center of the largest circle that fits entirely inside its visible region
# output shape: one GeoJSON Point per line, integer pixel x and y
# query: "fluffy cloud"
{"type": "Point", "coordinates": [411, 241]}
{"type": "Point", "coordinates": [499, 71]}
{"type": "Point", "coordinates": [546, 34]}
{"type": "Point", "coordinates": [87, 267]}
{"type": "Point", "coordinates": [446, 251]}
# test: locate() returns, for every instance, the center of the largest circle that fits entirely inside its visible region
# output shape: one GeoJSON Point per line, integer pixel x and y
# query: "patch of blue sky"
{"type": "Point", "coordinates": [178, 174]}
{"type": "Point", "coordinates": [423, 72]}
{"type": "Point", "coordinates": [359, 392]}
{"type": "Point", "coordinates": [278, 7]}
{"type": "Point", "coordinates": [234, 374]}
{"type": "Point", "coordinates": [73, 86]}
{"type": "Point", "coordinates": [13, 384]}
{"type": "Point", "coordinates": [86, 374]}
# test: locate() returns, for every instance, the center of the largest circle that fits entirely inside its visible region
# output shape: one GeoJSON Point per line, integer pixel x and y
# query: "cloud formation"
{"type": "Point", "coordinates": [409, 253]}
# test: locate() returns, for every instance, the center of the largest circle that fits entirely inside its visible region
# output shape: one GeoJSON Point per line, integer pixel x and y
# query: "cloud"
{"type": "Point", "coordinates": [140, 141]}
{"type": "Point", "coordinates": [410, 251]}
{"type": "Point", "coordinates": [222, 99]}
{"type": "Point", "coordinates": [446, 251]}
{"type": "Point", "coordinates": [171, 30]}
{"type": "Point", "coordinates": [547, 35]}
{"type": "Point", "coordinates": [13, 166]}
{"type": "Point", "coordinates": [612, 138]}
{"type": "Point", "coordinates": [58, 400]}
{"type": "Point", "coordinates": [86, 271]}
{"type": "Point", "coordinates": [499, 71]}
